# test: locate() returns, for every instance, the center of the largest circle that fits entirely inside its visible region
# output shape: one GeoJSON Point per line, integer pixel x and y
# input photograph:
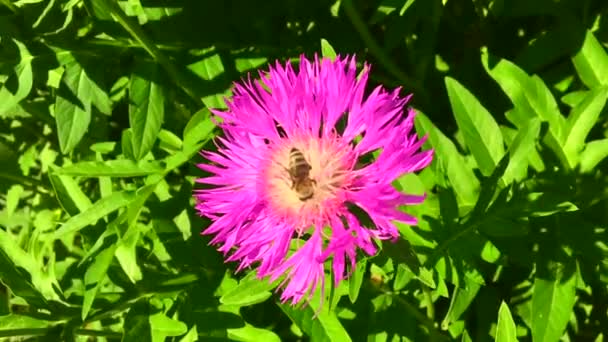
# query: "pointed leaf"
{"type": "Point", "coordinates": [70, 196]}
{"type": "Point", "coordinates": [94, 277]}
{"type": "Point", "coordinates": [24, 75]}
{"type": "Point", "coordinates": [591, 62]}
{"type": "Point", "coordinates": [146, 111]}
{"type": "Point", "coordinates": [112, 168]}
{"type": "Point", "coordinates": [450, 162]}
{"type": "Point", "coordinates": [522, 146]}
{"type": "Point", "coordinates": [480, 131]}
{"type": "Point", "coordinates": [356, 280]}
{"type": "Point", "coordinates": [72, 123]}
{"type": "Point", "coordinates": [594, 152]}
{"type": "Point", "coordinates": [324, 327]}
{"type": "Point", "coordinates": [581, 120]}
{"type": "Point", "coordinates": [73, 106]}
{"type": "Point", "coordinates": [250, 290]}
{"type": "Point", "coordinates": [327, 50]}
{"type": "Point", "coordinates": [506, 331]}
{"type": "Point", "coordinates": [249, 333]}
{"type": "Point", "coordinates": [552, 303]}
{"type": "Point", "coordinates": [99, 210]}
{"type": "Point", "coordinates": [163, 327]}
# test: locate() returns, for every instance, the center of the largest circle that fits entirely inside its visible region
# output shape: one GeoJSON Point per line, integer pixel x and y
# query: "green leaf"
{"type": "Point", "coordinates": [506, 330]}
{"type": "Point", "coordinates": [146, 110]}
{"type": "Point", "coordinates": [85, 89]}
{"type": "Point", "coordinates": [529, 95]}
{"type": "Point", "coordinates": [191, 336]}
{"type": "Point", "coordinates": [14, 276]}
{"type": "Point", "coordinates": [72, 123]}
{"type": "Point", "coordinates": [24, 273]}
{"type": "Point", "coordinates": [163, 327]}
{"type": "Point", "coordinates": [99, 210]}
{"type": "Point", "coordinates": [481, 133]}
{"type": "Point", "coordinates": [74, 105]}
{"type": "Point", "coordinates": [94, 277]}
{"type": "Point", "coordinates": [169, 141]}
{"type": "Point", "coordinates": [594, 152]}
{"type": "Point", "coordinates": [126, 144]}
{"type": "Point", "coordinates": [249, 333]}
{"type": "Point", "coordinates": [245, 64]}
{"type": "Point", "coordinates": [520, 149]}
{"type": "Point", "coordinates": [25, 79]}
{"type": "Point", "coordinates": [198, 128]}
{"type": "Point", "coordinates": [356, 280]}
{"type": "Point", "coordinates": [581, 120]}
{"type": "Point", "coordinates": [19, 325]}
{"type": "Point", "coordinates": [12, 198]}
{"type": "Point", "coordinates": [325, 326]}
{"type": "Point", "coordinates": [552, 303]}
{"type": "Point", "coordinates": [250, 290]}
{"type": "Point", "coordinates": [112, 168]}
{"type": "Point", "coordinates": [70, 196]}
{"type": "Point", "coordinates": [126, 254]}
{"type": "Point", "coordinates": [450, 162]}
{"type": "Point", "coordinates": [327, 50]}
{"type": "Point", "coordinates": [461, 300]}
{"type": "Point", "coordinates": [591, 62]}
{"type": "Point", "coordinates": [137, 326]}
{"type": "Point", "coordinates": [208, 67]}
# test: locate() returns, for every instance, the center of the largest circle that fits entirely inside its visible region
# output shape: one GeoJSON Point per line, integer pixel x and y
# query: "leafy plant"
{"type": "Point", "coordinates": [104, 106]}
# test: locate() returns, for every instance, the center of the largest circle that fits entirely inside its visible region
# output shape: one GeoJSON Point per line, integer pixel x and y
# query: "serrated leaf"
{"type": "Point", "coordinates": [146, 111]}
{"type": "Point", "coordinates": [250, 290]}
{"type": "Point", "coordinates": [100, 209]}
{"type": "Point", "coordinates": [506, 331]}
{"type": "Point", "coordinates": [112, 168]}
{"type": "Point", "coordinates": [591, 62]}
{"type": "Point", "coordinates": [480, 131]}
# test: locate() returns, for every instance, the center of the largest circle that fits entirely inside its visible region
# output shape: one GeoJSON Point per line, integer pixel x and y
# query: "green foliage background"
{"type": "Point", "coordinates": [103, 108]}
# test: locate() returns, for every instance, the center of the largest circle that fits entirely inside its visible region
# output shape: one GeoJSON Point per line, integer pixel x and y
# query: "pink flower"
{"type": "Point", "coordinates": [290, 165]}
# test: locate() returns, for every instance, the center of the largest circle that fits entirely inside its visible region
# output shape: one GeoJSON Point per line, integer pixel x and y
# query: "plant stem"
{"type": "Point", "coordinates": [138, 34]}
{"type": "Point", "coordinates": [376, 50]}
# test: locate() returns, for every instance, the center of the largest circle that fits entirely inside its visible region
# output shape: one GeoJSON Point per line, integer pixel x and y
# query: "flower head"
{"type": "Point", "coordinates": [293, 161]}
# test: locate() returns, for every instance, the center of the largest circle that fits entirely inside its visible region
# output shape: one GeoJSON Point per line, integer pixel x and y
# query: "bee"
{"type": "Point", "coordinates": [299, 172]}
